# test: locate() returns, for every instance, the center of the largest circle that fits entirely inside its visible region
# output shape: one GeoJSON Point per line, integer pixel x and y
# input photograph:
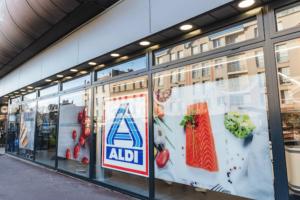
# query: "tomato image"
{"type": "Point", "coordinates": [162, 158]}
{"type": "Point", "coordinates": [76, 151]}
{"type": "Point", "coordinates": [85, 160]}
{"type": "Point", "coordinates": [81, 140]}
{"type": "Point", "coordinates": [74, 134]}
{"type": "Point", "coordinates": [68, 154]}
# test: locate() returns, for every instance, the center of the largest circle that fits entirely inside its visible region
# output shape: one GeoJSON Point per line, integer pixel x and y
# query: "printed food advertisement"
{"type": "Point", "coordinates": [74, 132]}
{"type": "Point", "coordinates": [27, 126]}
{"type": "Point", "coordinates": [214, 138]}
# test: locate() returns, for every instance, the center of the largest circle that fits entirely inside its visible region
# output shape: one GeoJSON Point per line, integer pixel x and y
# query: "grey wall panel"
{"type": "Point", "coordinates": [128, 21]}
{"type": "Point", "coordinates": [125, 22]}
{"type": "Point", "coordinates": [166, 13]}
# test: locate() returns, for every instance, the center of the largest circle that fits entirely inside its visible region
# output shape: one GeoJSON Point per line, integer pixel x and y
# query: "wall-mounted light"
{"type": "Point", "coordinates": [186, 27]}
{"type": "Point", "coordinates": [74, 70]}
{"type": "Point", "coordinates": [246, 3]}
{"type": "Point", "coordinates": [92, 63]}
{"type": "Point", "coordinates": [83, 72]}
{"type": "Point", "coordinates": [114, 55]}
{"type": "Point", "coordinates": [144, 43]}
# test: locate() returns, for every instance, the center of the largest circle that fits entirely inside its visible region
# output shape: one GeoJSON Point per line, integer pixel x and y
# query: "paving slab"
{"type": "Point", "coordinates": [25, 181]}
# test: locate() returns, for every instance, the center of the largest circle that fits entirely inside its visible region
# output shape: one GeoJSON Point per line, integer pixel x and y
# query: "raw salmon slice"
{"type": "Point", "coordinates": [200, 146]}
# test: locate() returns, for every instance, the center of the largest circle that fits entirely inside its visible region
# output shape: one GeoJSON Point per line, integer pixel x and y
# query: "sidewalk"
{"type": "Point", "coordinates": [21, 180]}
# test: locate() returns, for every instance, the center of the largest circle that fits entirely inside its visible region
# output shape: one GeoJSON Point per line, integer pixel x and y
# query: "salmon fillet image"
{"type": "Point", "coordinates": [200, 146]}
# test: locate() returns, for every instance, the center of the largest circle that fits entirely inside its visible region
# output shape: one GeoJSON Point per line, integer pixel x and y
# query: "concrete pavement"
{"type": "Point", "coordinates": [21, 180]}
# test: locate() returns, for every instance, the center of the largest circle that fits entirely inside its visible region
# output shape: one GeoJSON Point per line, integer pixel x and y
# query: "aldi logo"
{"type": "Point", "coordinates": [125, 139]}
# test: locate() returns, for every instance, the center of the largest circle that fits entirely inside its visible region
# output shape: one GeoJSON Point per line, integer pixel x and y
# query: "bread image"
{"type": "Point", "coordinates": [23, 135]}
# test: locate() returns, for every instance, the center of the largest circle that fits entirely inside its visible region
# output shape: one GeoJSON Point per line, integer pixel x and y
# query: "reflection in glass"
{"type": "Point", "coordinates": [288, 17]}
{"type": "Point", "coordinates": [289, 91]}
{"type": "Point", "coordinates": [78, 82]}
{"type": "Point", "coordinates": [238, 33]}
{"type": "Point", "coordinates": [74, 138]}
{"type": "Point", "coordinates": [123, 68]}
{"type": "Point", "coordinates": [14, 109]}
{"type": "Point", "coordinates": [104, 96]}
{"type": "Point", "coordinates": [47, 117]}
{"type": "Point", "coordinates": [211, 129]}
{"type": "Point", "coordinates": [27, 129]}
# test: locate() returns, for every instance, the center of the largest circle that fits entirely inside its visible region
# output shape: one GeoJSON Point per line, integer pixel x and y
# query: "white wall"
{"type": "Point", "coordinates": [124, 23]}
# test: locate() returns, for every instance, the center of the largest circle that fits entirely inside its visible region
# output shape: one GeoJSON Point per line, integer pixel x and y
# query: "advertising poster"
{"type": "Point", "coordinates": [73, 136]}
{"type": "Point", "coordinates": [27, 126]}
{"type": "Point", "coordinates": [125, 138]}
{"type": "Point", "coordinates": [216, 137]}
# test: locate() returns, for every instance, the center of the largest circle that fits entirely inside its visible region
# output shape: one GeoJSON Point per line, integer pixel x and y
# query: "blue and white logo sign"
{"type": "Point", "coordinates": [125, 139]}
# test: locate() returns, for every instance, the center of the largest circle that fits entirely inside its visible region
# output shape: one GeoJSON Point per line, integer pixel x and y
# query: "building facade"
{"type": "Point", "coordinates": [161, 103]}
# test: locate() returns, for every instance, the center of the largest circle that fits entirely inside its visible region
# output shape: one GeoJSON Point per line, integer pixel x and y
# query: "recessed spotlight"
{"type": "Point", "coordinates": [74, 70]}
{"type": "Point", "coordinates": [59, 75]}
{"type": "Point", "coordinates": [30, 90]}
{"type": "Point", "coordinates": [16, 92]}
{"type": "Point", "coordinates": [186, 27]}
{"type": "Point", "coordinates": [83, 72]}
{"type": "Point", "coordinates": [29, 87]}
{"type": "Point", "coordinates": [48, 80]}
{"type": "Point", "coordinates": [114, 55]}
{"type": "Point", "coordinates": [144, 43]}
{"type": "Point", "coordinates": [55, 81]}
{"type": "Point", "coordinates": [102, 65]}
{"type": "Point", "coordinates": [246, 3]}
{"type": "Point", "coordinates": [37, 88]}
{"type": "Point", "coordinates": [6, 96]}
{"type": "Point", "coordinates": [68, 77]}
{"type": "Point", "coordinates": [23, 93]}
{"type": "Point", "coordinates": [92, 63]}
{"type": "Point", "coordinates": [22, 90]}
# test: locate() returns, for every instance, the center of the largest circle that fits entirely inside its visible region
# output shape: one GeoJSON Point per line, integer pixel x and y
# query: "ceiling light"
{"type": "Point", "coordinates": [16, 92]}
{"type": "Point", "coordinates": [74, 70]}
{"type": "Point", "coordinates": [55, 81]}
{"type": "Point", "coordinates": [186, 27]}
{"type": "Point", "coordinates": [30, 90]}
{"type": "Point", "coordinates": [59, 75]}
{"type": "Point", "coordinates": [6, 96]}
{"type": "Point", "coordinates": [68, 77]}
{"type": "Point", "coordinates": [48, 80]}
{"type": "Point", "coordinates": [37, 88]}
{"type": "Point", "coordinates": [246, 3]}
{"type": "Point", "coordinates": [23, 93]}
{"type": "Point", "coordinates": [114, 55]}
{"type": "Point", "coordinates": [102, 65]}
{"type": "Point", "coordinates": [83, 72]}
{"type": "Point", "coordinates": [29, 87]}
{"type": "Point", "coordinates": [92, 63]}
{"type": "Point", "coordinates": [22, 90]}
{"type": "Point", "coordinates": [144, 43]}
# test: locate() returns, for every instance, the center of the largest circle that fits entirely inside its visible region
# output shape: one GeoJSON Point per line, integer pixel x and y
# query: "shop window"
{"type": "Point", "coordinates": [13, 129]}
{"type": "Point", "coordinates": [74, 132]}
{"type": "Point", "coordinates": [208, 119]}
{"type": "Point", "coordinates": [48, 91]}
{"type": "Point", "coordinates": [227, 36]}
{"type": "Point", "coordinates": [288, 17]}
{"type": "Point", "coordinates": [281, 53]}
{"type": "Point", "coordinates": [122, 137]}
{"type": "Point", "coordinates": [126, 67]}
{"type": "Point", "coordinates": [46, 133]}
{"type": "Point", "coordinates": [78, 82]}
{"type": "Point", "coordinates": [259, 59]}
{"type": "Point", "coordinates": [290, 107]}
{"type": "Point", "coordinates": [27, 129]}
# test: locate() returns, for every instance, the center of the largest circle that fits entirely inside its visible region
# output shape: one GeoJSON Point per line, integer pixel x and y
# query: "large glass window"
{"type": "Point", "coordinates": [288, 17]}
{"type": "Point", "coordinates": [123, 68]}
{"type": "Point", "coordinates": [78, 82]}
{"type": "Point", "coordinates": [238, 33]}
{"type": "Point", "coordinates": [289, 90]}
{"type": "Point", "coordinates": [74, 138]}
{"type": "Point", "coordinates": [27, 129]}
{"type": "Point", "coordinates": [122, 135]}
{"type": "Point", "coordinates": [211, 132]}
{"type": "Point", "coordinates": [47, 116]}
{"type": "Point", "coordinates": [14, 110]}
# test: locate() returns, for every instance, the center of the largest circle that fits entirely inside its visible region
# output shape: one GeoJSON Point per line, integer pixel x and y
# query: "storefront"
{"type": "Point", "coordinates": [210, 114]}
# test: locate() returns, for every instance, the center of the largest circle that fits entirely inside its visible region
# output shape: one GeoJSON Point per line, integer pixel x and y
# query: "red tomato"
{"type": "Point", "coordinates": [85, 160]}
{"type": "Point", "coordinates": [68, 154]}
{"type": "Point", "coordinates": [76, 151]}
{"type": "Point", "coordinates": [74, 134]}
{"type": "Point", "coordinates": [81, 140]}
{"type": "Point", "coordinates": [162, 158]}
{"type": "Point", "coordinates": [80, 117]}
{"type": "Point", "coordinates": [86, 132]}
